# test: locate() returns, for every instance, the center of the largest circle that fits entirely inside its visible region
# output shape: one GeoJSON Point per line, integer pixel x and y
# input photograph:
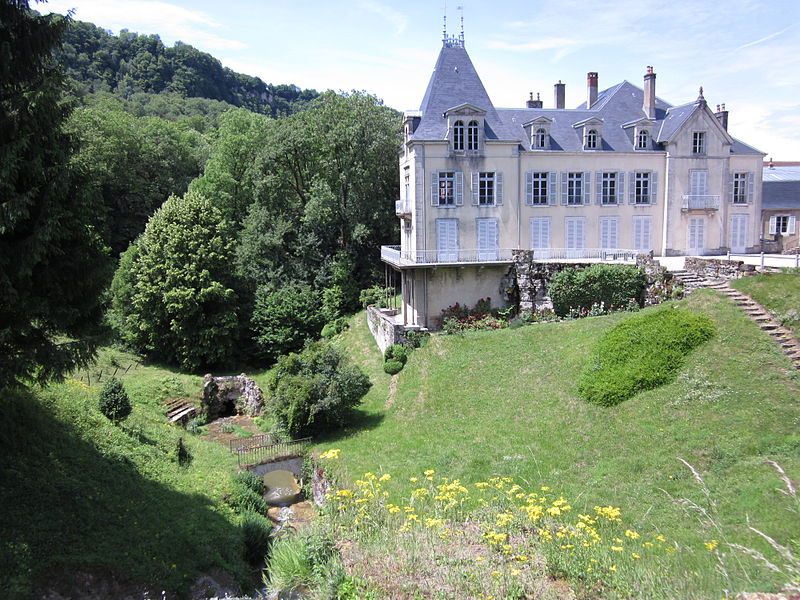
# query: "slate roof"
{"type": "Point", "coordinates": [455, 81]}
{"type": "Point", "coordinates": [781, 195]}
{"type": "Point", "coordinates": [781, 173]}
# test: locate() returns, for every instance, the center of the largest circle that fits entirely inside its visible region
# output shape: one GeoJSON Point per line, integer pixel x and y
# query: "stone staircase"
{"type": "Point", "coordinates": [762, 317]}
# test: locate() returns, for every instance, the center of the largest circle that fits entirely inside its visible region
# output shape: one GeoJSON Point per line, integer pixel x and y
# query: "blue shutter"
{"type": "Point", "coordinates": [459, 188]}
{"type": "Point", "coordinates": [529, 188]}
{"type": "Point", "coordinates": [598, 182]}
{"type": "Point", "coordinates": [435, 188]}
{"type": "Point", "coordinates": [654, 187]}
{"type": "Point", "coordinates": [498, 189]}
{"type": "Point", "coordinates": [750, 187]}
{"type": "Point", "coordinates": [620, 187]}
{"type": "Point", "coordinates": [631, 188]}
{"type": "Point", "coordinates": [731, 187]}
{"type": "Point", "coordinates": [564, 179]}
{"type": "Point", "coordinates": [475, 188]}
{"type": "Point", "coordinates": [587, 187]}
{"type": "Point", "coordinates": [551, 188]}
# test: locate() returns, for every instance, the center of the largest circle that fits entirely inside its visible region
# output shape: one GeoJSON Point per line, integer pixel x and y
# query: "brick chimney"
{"type": "Point", "coordinates": [531, 103]}
{"type": "Point", "coordinates": [591, 89]}
{"type": "Point", "coordinates": [722, 116]}
{"type": "Point", "coordinates": [560, 94]}
{"type": "Point", "coordinates": [649, 101]}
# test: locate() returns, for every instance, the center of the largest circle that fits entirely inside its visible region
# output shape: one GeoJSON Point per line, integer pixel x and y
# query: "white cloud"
{"type": "Point", "coordinates": [398, 20]}
{"type": "Point", "coordinates": [169, 21]}
{"type": "Point", "coordinates": [543, 44]}
{"type": "Point", "coordinates": [765, 38]}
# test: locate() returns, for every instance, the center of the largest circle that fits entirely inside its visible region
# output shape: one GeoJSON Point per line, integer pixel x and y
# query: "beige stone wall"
{"type": "Point", "coordinates": [465, 285]}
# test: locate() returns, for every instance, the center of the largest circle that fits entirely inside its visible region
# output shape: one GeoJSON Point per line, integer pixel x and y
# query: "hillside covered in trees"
{"type": "Point", "coordinates": [129, 64]}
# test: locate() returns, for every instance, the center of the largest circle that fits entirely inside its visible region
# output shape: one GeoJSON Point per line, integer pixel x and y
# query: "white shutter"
{"type": "Point", "coordinates": [459, 188]}
{"type": "Point", "coordinates": [564, 187]}
{"type": "Point", "coordinates": [604, 226]}
{"type": "Point", "coordinates": [498, 189]}
{"type": "Point", "coordinates": [792, 225]}
{"type": "Point", "coordinates": [447, 240]}
{"type": "Point", "coordinates": [631, 188]}
{"type": "Point", "coordinates": [540, 232]}
{"type": "Point", "coordinates": [435, 188]}
{"type": "Point", "coordinates": [653, 187]}
{"type": "Point", "coordinates": [732, 187]}
{"type": "Point", "coordinates": [551, 188]}
{"type": "Point", "coordinates": [575, 232]}
{"type": "Point", "coordinates": [475, 188]}
{"type": "Point", "coordinates": [598, 182]}
{"type": "Point", "coordinates": [620, 187]}
{"type": "Point", "coordinates": [529, 188]}
{"type": "Point", "coordinates": [773, 225]}
{"type": "Point", "coordinates": [487, 239]}
{"type": "Point", "coordinates": [642, 233]}
{"type": "Point", "coordinates": [750, 188]}
{"type": "Point", "coordinates": [609, 232]}
{"type": "Point", "coordinates": [587, 188]}
{"type": "Point", "coordinates": [738, 233]}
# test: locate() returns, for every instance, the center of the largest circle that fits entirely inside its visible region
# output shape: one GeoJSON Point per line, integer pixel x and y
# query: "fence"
{"type": "Point", "coordinates": [253, 451]}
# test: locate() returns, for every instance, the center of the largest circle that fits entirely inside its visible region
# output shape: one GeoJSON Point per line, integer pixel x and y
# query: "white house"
{"type": "Point", "coordinates": [623, 173]}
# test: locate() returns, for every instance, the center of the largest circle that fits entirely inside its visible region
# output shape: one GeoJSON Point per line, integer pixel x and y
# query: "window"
{"type": "Point", "coordinates": [539, 191]}
{"type": "Point", "coordinates": [609, 233]}
{"type": "Point", "coordinates": [741, 188]}
{"type": "Point", "coordinates": [458, 135]}
{"type": "Point", "coordinates": [591, 139]}
{"type": "Point", "coordinates": [783, 224]}
{"type": "Point", "coordinates": [540, 233]}
{"type": "Point", "coordinates": [447, 240]}
{"type": "Point", "coordinates": [540, 138]}
{"type": "Point", "coordinates": [447, 180]}
{"type": "Point", "coordinates": [487, 239]}
{"type": "Point", "coordinates": [643, 233]}
{"type": "Point", "coordinates": [608, 188]}
{"type": "Point", "coordinates": [574, 188]}
{"type": "Point", "coordinates": [407, 184]}
{"type": "Point", "coordinates": [641, 193]}
{"type": "Point", "coordinates": [641, 140]}
{"type": "Point", "coordinates": [472, 135]}
{"type": "Point", "coordinates": [699, 142]}
{"type": "Point", "coordinates": [575, 236]}
{"type": "Point", "coordinates": [698, 182]}
{"type": "Point", "coordinates": [486, 188]}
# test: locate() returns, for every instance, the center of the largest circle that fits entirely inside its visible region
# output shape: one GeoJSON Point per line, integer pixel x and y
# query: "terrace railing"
{"type": "Point", "coordinates": [700, 202]}
{"type": "Point", "coordinates": [261, 448]}
{"type": "Point", "coordinates": [393, 255]}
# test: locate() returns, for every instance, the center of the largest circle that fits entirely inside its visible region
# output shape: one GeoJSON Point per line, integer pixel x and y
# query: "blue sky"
{"type": "Point", "coordinates": [745, 53]}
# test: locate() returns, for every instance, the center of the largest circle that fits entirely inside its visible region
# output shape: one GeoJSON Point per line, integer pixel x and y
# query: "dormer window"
{"type": "Point", "coordinates": [472, 135]}
{"type": "Point", "coordinates": [592, 138]}
{"type": "Point", "coordinates": [642, 140]}
{"type": "Point", "coordinates": [540, 138]}
{"type": "Point", "coordinates": [458, 135]}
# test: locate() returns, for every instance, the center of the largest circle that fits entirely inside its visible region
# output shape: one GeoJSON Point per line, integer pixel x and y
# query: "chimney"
{"type": "Point", "coordinates": [531, 103]}
{"type": "Point", "coordinates": [591, 89]}
{"type": "Point", "coordinates": [560, 94]}
{"type": "Point", "coordinates": [649, 102]}
{"type": "Point", "coordinates": [722, 116]}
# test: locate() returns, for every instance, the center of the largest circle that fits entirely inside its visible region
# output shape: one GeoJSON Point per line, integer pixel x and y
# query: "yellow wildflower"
{"type": "Point", "coordinates": [385, 477]}
{"type": "Point", "coordinates": [331, 454]}
{"type": "Point", "coordinates": [711, 545]}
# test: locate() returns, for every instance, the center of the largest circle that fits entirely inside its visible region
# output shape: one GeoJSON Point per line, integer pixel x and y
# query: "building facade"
{"type": "Point", "coordinates": [623, 173]}
{"type": "Point", "coordinates": [781, 206]}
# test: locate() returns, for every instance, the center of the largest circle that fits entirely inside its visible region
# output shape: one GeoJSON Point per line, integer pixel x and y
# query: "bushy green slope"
{"type": "Point", "coordinates": [505, 403]}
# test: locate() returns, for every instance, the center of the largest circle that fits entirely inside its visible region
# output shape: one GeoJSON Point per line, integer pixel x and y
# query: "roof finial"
{"type": "Point", "coordinates": [444, 25]}
{"type": "Point", "coordinates": [701, 98]}
{"type": "Point", "coordinates": [461, 8]}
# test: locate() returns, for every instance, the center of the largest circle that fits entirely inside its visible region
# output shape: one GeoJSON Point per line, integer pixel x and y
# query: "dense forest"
{"type": "Point", "coordinates": [240, 217]}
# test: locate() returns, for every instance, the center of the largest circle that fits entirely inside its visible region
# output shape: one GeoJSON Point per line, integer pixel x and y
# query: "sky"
{"type": "Point", "coordinates": [745, 53]}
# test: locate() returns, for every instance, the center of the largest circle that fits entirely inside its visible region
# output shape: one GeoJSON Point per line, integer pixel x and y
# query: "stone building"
{"type": "Point", "coordinates": [623, 173]}
{"type": "Point", "coordinates": [781, 205]}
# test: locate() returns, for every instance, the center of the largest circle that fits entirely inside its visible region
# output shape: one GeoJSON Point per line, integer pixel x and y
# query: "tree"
{"type": "Point", "coordinates": [114, 402]}
{"type": "Point", "coordinates": [174, 295]}
{"type": "Point", "coordinates": [284, 319]}
{"type": "Point", "coordinates": [315, 390]}
{"type": "Point", "coordinates": [53, 265]}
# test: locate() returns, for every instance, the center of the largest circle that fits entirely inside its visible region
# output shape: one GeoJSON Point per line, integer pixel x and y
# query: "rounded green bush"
{"type": "Point", "coordinates": [392, 367]}
{"type": "Point", "coordinates": [641, 353]}
{"type": "Point", "coordinates": [243, 499]}
{"type": "Point", "coordinates": [396, 352]}
{"type": "Point", "coordinates": [613, 285]}
{"type": "Point", "coordinates": [114, 402]}
{"type": "Point", "coordinates": [256, 532]}
{"type": "Point", "coordinates": [248, 480]}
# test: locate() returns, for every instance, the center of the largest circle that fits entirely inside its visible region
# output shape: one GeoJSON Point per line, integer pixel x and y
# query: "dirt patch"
{"type": "Point", "coordinates": [219, 430]}
{"type": "Point", "coordinates": [392, 393]}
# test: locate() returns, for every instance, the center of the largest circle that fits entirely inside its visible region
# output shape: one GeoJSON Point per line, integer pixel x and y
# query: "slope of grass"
{"type": "Point", "coordinates": [504, 403]}
{"type": "Point", "coordinates": [777, 292]}
{"type": "Point", "coordinates": [79, 494]}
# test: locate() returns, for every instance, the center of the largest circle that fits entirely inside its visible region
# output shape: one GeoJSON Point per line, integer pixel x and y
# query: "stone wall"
{"type": "Point", "coordinates": [243, 392]}
{"type": "Point", "coordinates": [713, 268]}
{"type": "Point", "coordinates": [385, 329]}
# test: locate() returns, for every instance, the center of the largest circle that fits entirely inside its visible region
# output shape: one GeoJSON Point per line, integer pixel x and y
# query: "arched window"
{"type": "Point", "coordinates": [591, 139]}
{"type": "Point", "coordinates": [458, 135]}
{"type": "Point", "coordinates": [641, 140]}
{"type": "Point", "coordinates": [540, 138]}
{"type": "Point", "coordinates": [472, 135]}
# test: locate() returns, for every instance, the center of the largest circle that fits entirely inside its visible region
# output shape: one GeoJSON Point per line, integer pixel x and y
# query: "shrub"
{"type": "Point", "coordinates": [392, 367]}
{"type": "Point", "coordinates": [641, 353]}
{"type": "Point", "coordinates": [416, 339]}
{"type": "Point", "coordinates": [375, 296]}
{"type": "Point", "coordinates": [335, 327]}
{"type": "Point", "coordinates": [314, 391]}
{"type": "Point", "coordinates": [301, 559]}
{"type": "Point", "coordinates": [248, 480]}
{"type": "Point", "coordinates": [114, 401]}
{"type": "Point", "coordinates": [610, 285]}
{"type": "Point", "coordinates": [396, 352]}
{"type": "Point", "coordinates": [243, 499]}
{"type": "Point", "coordinates": [458, 318]}
{"type": "Point", "coordinates": [283, 320]}
{"type": "Point", "coordinates": [256, 530]}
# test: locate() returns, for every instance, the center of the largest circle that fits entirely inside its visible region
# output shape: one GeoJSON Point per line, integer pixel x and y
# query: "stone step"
{"type": "Point", "coordinates": [769, 327]}
{"type": "Point", "coordinates": [762, 319]}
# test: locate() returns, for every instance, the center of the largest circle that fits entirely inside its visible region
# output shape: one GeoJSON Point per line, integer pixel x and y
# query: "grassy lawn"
{"type": "Point", "coordinates": [503, 403]}
{"type": "Point", "coordinates": [79, 493]}
{"type": "Point", "coordinates": [778, 292]}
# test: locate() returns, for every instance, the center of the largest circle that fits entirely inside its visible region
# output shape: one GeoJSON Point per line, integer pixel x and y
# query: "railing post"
{"type": "Point", "coordinates": [729, 255]}
{"type": "Point", "coordinates": [762, 261]}
{"type": "Point", "coordinates": [797, 258]}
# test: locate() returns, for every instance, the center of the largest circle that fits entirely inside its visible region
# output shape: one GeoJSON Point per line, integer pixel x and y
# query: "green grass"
{"type": "Point", "coordinates": [79, 493]}
{"type": "Point", "coordinates": [504, 403]}
{"type": "Point", "coordinates": [777, 292]}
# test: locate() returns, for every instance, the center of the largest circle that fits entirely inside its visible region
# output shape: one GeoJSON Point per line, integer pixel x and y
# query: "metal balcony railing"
{"type": "Point", "coordinates": [402, 208]}
{"type": "Point", "coordinates": [700, 202]}
{"type": "Point", "coordinates": [394, 256]}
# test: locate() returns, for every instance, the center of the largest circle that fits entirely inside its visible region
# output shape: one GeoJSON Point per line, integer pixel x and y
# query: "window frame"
{"type": "Point", "coordinates": [575, 182]}
{"type": "Point", "coordinates": [739, 191]}
{"type": "Point", "coordinates": [473, 135]}
{"type": "Point", "coordinates": [642, 140]}
{"type": "Point", "coordinates": [642, 180]}
{"type": "Point", "coordinates": [609, 188]}
{"type": "Point", "coordinates": [699, 143]}
{"type": "Point", "coordinates": [540, 138]}
{"type": "Point", "coordinates": [487, 188]}
{"type": "Point", "coordinates": [540, 192]}
{"type": "Point", "coordinates": [444, 196]}
{"type": "Point", "coordinates": [459, 136]}
{"type": "Point", "coordinates": [592, 139]}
